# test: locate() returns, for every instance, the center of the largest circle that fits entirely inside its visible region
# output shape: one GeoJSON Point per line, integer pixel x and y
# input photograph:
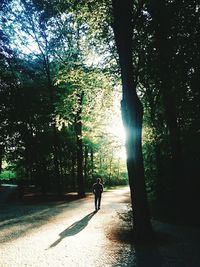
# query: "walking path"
{"type": "Point", "coordinates": [66, 234]}
{"type": "Point", "coordinates": [72, 234]}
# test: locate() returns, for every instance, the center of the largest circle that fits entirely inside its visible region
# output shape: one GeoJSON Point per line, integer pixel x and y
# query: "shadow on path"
{"type": "Point", "coordinates": [26, 217]}
{"type": "Point", "coordinates": [138, 256]}
{"type": "Point", "coordinates": [74, 229]}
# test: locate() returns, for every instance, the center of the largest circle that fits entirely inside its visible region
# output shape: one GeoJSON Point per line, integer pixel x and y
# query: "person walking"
{"type": "Point", "coordinates": [97, 191]}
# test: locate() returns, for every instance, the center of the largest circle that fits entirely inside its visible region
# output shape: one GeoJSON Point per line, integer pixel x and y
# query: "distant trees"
{"type": "Point", "coordinates": [52, 100]}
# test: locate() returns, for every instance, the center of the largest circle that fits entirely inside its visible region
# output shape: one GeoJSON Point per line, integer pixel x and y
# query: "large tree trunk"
{"type": "Point", "coordinates": [132, 114]}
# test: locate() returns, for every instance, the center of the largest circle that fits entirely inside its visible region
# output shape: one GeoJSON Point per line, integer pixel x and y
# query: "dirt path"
{"type": "Point", "coordinates": [71, 234]}
{"type": "Point", "coordinates": [66, 234]}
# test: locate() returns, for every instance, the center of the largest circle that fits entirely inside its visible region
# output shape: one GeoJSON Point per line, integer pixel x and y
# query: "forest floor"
{"type": "Point", "coordinates": [70, 233]}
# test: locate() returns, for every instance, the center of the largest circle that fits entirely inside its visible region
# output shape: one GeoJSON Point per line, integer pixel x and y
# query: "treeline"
{"type": "Point", "coordinates": [167, 58]}
{"type": "Point", "coordinates": [53, 103]}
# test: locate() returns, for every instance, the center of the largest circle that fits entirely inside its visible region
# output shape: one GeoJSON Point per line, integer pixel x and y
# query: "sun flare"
{"type": "Point", "coordinates": [116, 129]}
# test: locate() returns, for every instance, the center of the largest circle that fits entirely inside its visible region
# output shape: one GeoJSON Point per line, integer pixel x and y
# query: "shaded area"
{"type": "Point", "coordinates": [148, 256]}
{"type": "Point", "coordinates": [74, 229]}
{"type": "Point", "coordinates": [6, 191]}
{"type": "Point", "coordinates": [170, 212]}
{"type": "Point", "coordinates": [135, 255]}
{"type": "Point", "coordinates": [172, 245]}
{"type": "Point", "coordinates": [35, 218]}
{"type": "Point", "coordinates": [28, 217]}
{"type": "Point", "coordinates": [32, 195]}
{"type": "Point", "coordinates": [32, 204]}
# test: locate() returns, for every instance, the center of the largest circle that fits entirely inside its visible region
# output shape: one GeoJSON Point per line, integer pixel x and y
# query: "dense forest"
{"type": "Point", "coordinates": [56, 103]}
{"type": "Point", "coordinates": [62, 64]}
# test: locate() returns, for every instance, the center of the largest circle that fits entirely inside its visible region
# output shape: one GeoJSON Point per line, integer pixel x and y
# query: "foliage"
{"type": "Point", "coordinates": [45, 67]}
{"type": "Point", "coordinates": [7, 175]}
{"type": "Point", "coordinates": [166, 55]}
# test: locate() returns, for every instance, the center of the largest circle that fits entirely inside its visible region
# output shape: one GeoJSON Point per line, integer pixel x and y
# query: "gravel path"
{"type": "Point", "coordinates": [72, 234]}
{"type": "Point", "coordinates": [66, 234]}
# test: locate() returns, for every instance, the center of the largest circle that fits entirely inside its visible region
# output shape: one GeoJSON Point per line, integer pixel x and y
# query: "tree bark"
{"type": "Point", "coordinates": [86, 164]}
{"type": "Point", "coordinates": [110, 170]}
{"type": "Point", "coordinates": [132, 114]}
{"type": "Point", "coordinates": [92, 161]}
{"type": "Point", "coordinates": [54, 129]}
{"type": "Point", "coordinates": [73, 172]}
{"type": "Point", "coordinates": [79, 141]}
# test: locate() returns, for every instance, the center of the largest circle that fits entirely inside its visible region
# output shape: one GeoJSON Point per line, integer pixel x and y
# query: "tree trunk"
{"type": "Point", "coordinates": [92, 161]}
{"type": "Point", "coordinates": [86, 164]}
{"type": "Point", "coordinates": [100, 162]}
{"type": "Point", "coordinates": [159, 186]}
{"type": "Point", "coordinates": [118, 169]}
{"type": "Point", "coordinates": [1, 157]}
{"type": "Point", "coordinates": [79, 142]}
{"type": "Point", "coordinates": [132, 114]}
{"type": "Point", "coordinates": [55, 134]}
{"type": "Point", "coordinates": [0, 163]}
{"type": "Point", "coordinates": [110, 170]}
{"type": "Point", "coordinates": [73, 172]}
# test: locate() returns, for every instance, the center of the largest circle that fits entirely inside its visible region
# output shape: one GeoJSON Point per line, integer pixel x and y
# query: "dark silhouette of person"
{"type": "Point", "coordinates": [97, 191]}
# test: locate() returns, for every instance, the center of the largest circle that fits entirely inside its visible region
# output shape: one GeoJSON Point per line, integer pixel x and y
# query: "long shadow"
{"type": "Point", "coordinates": [74, 229]}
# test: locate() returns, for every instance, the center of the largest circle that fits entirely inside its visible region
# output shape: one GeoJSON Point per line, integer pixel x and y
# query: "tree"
{"type": "Point", "coordinates": [132, 113]}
